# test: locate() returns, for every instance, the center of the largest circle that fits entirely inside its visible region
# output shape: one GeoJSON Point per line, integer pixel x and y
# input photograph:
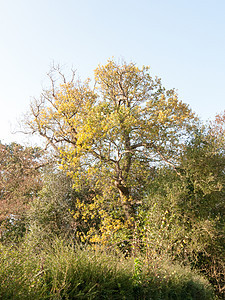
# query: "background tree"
{"type": "Point", "coordinates": [184, 215]}
{"type": "Point", "coordinates": [217, 129]}
{"type": "Point", "coordinates": [20, 180]}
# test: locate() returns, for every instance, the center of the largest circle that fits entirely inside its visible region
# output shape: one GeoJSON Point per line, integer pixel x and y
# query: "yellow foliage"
{"type": "Point", "coordinates": [110, 135]}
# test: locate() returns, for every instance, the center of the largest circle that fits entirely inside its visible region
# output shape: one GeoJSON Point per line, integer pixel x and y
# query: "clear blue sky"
{"type": "Point", "coordinates": [183, 42]}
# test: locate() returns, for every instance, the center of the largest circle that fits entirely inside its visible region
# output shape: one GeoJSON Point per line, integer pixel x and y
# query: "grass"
{"type": "Point", "coordinates": [63, 271]}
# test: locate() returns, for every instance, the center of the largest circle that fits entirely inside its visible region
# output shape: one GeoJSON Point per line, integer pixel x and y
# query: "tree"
{"type": "Point", "coordinates": [20, 180]}
{"type": "Point", "coordinates": [217, 129]}
{"type": "Point", "coordinates": [19, 177]}
{"type": "Point", "coordinates": [184, 215]}
{"type": "Point", "coordinates": [119, 129]}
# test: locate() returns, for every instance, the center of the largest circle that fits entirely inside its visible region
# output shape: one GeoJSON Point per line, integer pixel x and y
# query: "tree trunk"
{"type": "Point", "coordinates": [125, 200]}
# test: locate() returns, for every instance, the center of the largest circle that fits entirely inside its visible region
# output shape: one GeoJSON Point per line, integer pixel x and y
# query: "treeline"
{"type": "Point", "coordinates": [128, 171]}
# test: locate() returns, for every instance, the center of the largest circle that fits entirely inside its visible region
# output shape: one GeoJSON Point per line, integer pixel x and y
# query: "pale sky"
{"type": "Point", "coordinates": [182, 40]}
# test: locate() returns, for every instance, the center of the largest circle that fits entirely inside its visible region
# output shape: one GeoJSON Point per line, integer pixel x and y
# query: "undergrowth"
{"type": "Point", "coordinates": [65, 271]}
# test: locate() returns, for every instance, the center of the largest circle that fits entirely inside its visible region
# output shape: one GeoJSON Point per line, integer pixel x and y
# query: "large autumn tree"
{"type": "Point", "coordinates": [114, 132]}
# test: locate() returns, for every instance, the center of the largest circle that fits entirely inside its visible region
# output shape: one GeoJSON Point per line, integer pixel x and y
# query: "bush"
{"type": "Point", "coordinates": [49, 213]}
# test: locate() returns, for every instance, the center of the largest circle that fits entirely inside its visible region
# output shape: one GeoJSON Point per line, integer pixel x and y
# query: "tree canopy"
{"type": "Point", "coordinates": [118, 130]}
{"type": "Point", "coordinates": [19, 178]}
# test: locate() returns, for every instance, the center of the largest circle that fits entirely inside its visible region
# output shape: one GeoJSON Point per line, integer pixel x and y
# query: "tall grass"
{"type": "Point", "coordinates": [63, 271]}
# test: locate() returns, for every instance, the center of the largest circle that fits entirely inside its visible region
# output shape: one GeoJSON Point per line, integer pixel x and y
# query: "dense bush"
{"type": "Point", "coordinates": [49, 214]}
